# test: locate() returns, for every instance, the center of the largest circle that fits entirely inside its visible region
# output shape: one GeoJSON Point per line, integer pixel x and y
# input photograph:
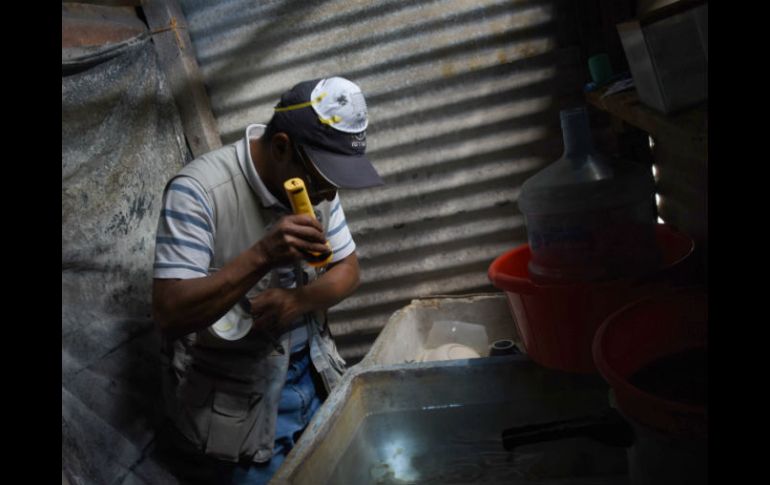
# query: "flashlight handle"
{"type": "Point", "coordinates": [300, 204]}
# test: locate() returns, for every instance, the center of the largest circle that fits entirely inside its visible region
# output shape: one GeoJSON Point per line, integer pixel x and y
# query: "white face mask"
{"type": "Point", "coordinates": [234, 325]}
{"type": "Point", "coordinates": [341, 104]}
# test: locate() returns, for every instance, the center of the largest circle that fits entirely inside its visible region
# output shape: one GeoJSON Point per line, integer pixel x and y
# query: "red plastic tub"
{"type": "Point", "coordinates": [663, 339]}
{"type": "Point", "coordinates": [557, 323]}
{"type": "Point", "coordinates": [654, 354]}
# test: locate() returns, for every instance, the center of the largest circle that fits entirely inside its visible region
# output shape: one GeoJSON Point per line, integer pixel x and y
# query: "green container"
{"type": "Point", "coordinates": [600, 69]}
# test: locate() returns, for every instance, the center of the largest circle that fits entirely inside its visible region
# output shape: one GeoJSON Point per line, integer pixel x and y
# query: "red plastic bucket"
{"type": "Point", "coordinates": [557, 323]}
{"type": "Point", "coordinates": [654, 354]}
{"type": "Point", "coordinates": [661, 340]}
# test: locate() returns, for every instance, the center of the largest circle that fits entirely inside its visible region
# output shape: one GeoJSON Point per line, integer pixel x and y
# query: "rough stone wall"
{"type": "Point", "coordinates": [121, 141]}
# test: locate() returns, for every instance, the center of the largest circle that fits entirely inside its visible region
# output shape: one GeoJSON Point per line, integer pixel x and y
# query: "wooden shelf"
{"type": "Point", "coordinates": [687, 129]}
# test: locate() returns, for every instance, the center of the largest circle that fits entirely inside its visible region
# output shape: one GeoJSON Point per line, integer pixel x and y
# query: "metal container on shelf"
{"type": "Point", "coordinates": [668, 58]}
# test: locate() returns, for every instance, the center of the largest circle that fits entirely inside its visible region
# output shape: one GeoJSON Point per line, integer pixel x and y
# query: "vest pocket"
{"type": "Point", "coordinates": [231, 405]}
{"type": "Point", "coordinates": [330, 349]}
{"type": "Point", "coordinates": [232, 420]}
{"type": "Point", "coordinates": [194, 395]}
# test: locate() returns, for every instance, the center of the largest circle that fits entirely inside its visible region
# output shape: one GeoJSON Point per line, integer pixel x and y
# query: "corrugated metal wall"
{"type": "Point", "coordinates": [463, 100]}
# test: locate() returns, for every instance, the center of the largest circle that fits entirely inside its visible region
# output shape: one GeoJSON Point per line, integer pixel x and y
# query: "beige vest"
{"type": "Point", "coordinates": [223, 395]}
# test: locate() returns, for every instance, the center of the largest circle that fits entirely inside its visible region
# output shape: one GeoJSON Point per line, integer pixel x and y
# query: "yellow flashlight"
{"type": "Point", "coordinates": [300, 204]}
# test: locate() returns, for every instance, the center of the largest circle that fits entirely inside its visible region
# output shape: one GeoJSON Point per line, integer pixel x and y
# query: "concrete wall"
{"type": "Point", "coordinates": [121, 141]}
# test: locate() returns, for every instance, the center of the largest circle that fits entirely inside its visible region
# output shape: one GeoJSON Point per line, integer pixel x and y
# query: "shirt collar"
{"type": "Point", "coordinates": [254, 132]}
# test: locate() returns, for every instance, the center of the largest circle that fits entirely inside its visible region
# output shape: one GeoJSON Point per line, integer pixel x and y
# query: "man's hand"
{"type": "Point", "coordinates": [290, 237]}
{"type": "Point", "coordinates": [275, 309]}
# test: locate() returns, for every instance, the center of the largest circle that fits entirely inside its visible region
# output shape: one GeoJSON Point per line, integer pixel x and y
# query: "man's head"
{"type": "Point", "coordinates": [324, 123]}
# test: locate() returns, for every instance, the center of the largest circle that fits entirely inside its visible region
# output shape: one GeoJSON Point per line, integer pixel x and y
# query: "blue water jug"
{"type": "Point", "coordinates": [588, 217]}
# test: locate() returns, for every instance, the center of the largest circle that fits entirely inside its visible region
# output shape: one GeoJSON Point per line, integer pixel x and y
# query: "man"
{"type": "Point", "coordinates": [239, 391]}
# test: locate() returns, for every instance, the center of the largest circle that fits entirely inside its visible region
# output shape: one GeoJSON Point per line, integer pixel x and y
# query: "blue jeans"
{"type": "Point", "coordinates": [296, 408]}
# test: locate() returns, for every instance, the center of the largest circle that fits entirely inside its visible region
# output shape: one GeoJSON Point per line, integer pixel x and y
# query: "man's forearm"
{"type": "Point", "coordinates": [181, 307]}
{"type": "Point", "coordinates": [336, 284]}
